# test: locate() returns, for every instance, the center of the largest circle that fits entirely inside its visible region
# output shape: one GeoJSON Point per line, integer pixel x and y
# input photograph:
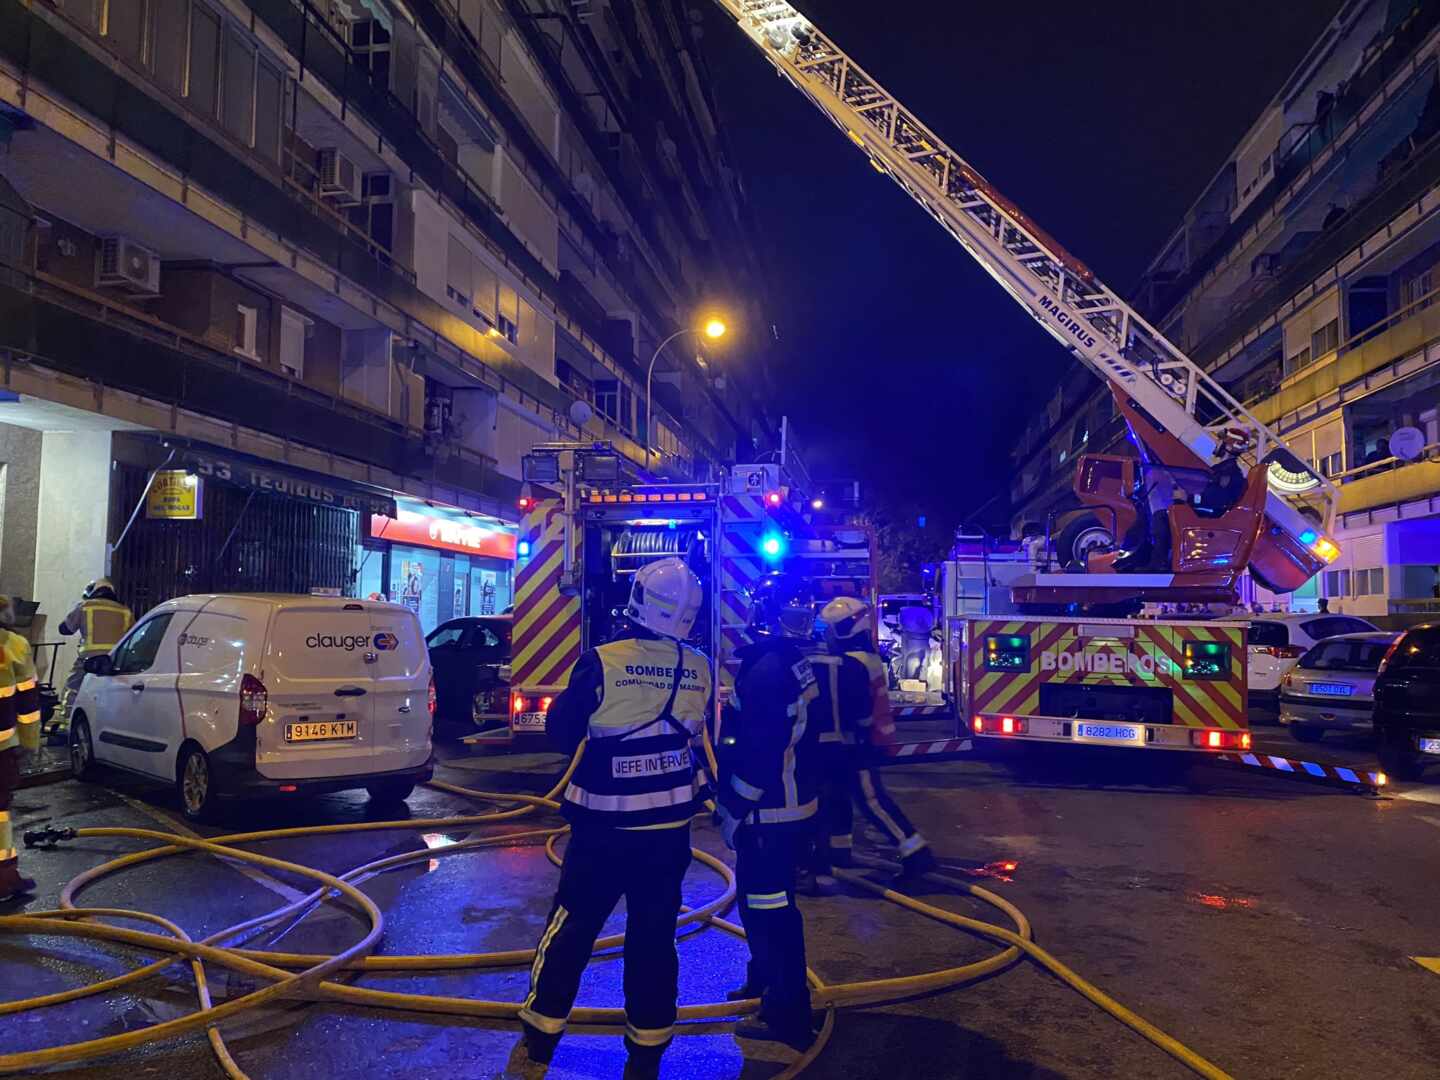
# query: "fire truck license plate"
{"type": "Point", "coordinates": [327, 729]}
{"type": "Point", "coordinates": [528, 721]}
{"type": "Point", "coordinates": [1109, 733]}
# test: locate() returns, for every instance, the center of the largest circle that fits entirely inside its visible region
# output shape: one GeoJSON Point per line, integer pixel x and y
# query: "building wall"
{"type": "Point", "coordinates": [71, 522]}
{"type": "Point", "coordinates": [19, 508]}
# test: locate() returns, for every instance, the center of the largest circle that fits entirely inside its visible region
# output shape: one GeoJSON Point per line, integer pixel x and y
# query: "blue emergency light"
{"type": "Point", "coordinates": [772, 546]}
{"type": "Point", "coordinates": [522, 549]}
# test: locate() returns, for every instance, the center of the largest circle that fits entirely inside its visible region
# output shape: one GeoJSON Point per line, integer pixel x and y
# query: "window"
{"type": "Point", "coordinates": [1332, 583]}
{"type": "Point", "coordinates": [201, 87]}
{"type": "Point", "coordinates": [295, 329]}
{"type": "Point", "coordinates": [1328, 626]}
{"type": "Point", "coordinates": [1326, 339]}
{"type": "Point", "coordinates": [269, 102]}
{"type": "Point", "coordinates": [458, 283]}
{"type": "Point", "coordinates": [446, 637]}
{"type": "Point", "coordinates": [1267, 634]}
{"type": "Point", "coordinates": [1335, 655]}
{"type": "Point", "coordinates": [239, 94]}
{"type": "Point", "coordinates": [627, 407]}
{"type": "Point", "coordinates": [1332, 464]}
{"type": "Point", "coordinates": [1298, 361]}
{"type": "Point", "coordinates": [137, 652]}
{"type": "Point", "coordinates": [1419, 648]}
{"type": "Point", "coordinates": [607, 398]}
{"type": "Point", "coordinates": [168, 56]}
{"type": "Point", "coordinates": [1370, 582]}
{"type": "Point", "coordinates": [245, 320]}
{"type": "Point", "coordinates": [124, 27]}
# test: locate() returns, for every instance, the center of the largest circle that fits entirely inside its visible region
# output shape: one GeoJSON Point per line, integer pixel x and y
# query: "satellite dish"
{"type": "Point", "coordinates": [1407, 443]}
{"type": "Point", "coordinates": [580, 413]}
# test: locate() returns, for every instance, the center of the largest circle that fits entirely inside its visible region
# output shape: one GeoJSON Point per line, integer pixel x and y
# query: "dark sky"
{"type": "Point", "coordinates": [908, 366]}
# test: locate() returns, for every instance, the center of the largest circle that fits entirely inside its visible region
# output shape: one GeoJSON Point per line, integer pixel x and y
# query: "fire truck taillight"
{"type": "Point", "coordinates": [1220, 740]}
{"type": "Point", "coordinates": [1000, 725]}
{"type": "Point", "coordinates": [517, 704]}
{"type": "Point", "coordinates": [1007, 652]}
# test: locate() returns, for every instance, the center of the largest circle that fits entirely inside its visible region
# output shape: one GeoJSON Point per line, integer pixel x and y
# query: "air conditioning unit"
{"type": "Point", "coordinates": [126, 265]}
{"type": "Point", "coordinates": [339, 177]}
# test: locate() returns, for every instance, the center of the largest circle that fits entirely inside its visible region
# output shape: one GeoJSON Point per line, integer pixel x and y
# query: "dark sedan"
{"type": "Point", "coordinates": [471, 661]}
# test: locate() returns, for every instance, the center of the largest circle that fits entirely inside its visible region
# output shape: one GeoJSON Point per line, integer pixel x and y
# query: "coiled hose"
{"type": "Point", "coordinates": [310, 977]}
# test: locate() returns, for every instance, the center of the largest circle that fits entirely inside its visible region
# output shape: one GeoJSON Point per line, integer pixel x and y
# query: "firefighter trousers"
{"type": "Point", "coordinates": [845, 783]}
{"type": "Point", "coordinates": [9, 781]}
{"type": "Point", "coordinates": [61, 720]}
{"type": "Point", "coordinates": [602, 864]}
{"type": "Point", "coordinates": [766, 859]}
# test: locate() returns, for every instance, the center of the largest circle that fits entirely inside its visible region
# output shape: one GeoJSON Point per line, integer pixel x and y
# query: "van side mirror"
{"type": "Point", "coordinates": [99, 665]}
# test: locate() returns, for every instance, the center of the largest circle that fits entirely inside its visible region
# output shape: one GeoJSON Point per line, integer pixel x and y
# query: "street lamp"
{"type": "Point", "coordinates": [713, 329]}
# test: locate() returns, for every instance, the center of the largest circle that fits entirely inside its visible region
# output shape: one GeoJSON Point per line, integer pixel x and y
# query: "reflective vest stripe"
{"type": "Point", "coordinates": [746, 790]}
{"type": "Point", "coordinates": [649, 1036]}
{"type": "Point", "coordinates": [645, 800]}
{"type": "Point", "coordinates": [780, 814]}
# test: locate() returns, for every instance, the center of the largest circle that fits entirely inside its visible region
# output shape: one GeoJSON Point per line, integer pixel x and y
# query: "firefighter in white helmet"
{"type": "Point", "coordinates": [19, 731]}
{"type": "Point", "coordinates": [641, 701]}
{"type": "Point", "coordinates": [101, 621]}
{"type": "Point", "coordinates": [859, 725]}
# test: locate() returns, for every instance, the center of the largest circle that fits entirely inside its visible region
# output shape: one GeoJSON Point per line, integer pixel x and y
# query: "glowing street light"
{"type": "Point", "coordinates": [713, 329]}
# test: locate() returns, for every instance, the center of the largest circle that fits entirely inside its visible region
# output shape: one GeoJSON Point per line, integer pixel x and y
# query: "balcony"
{"type": "Point", "coordinates": [1389, 483]}
{"type": "Point", "coordinates": [1408, 330]}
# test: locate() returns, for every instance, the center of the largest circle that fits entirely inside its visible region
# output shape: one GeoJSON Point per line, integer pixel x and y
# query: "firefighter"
{"type": "Point", "coordinates": [765, 799]}
{"type": "Point", "coordinates": [101, 621]}
{"type": "Point", "coordinates": [641, 700]}
{"type": "Point", "coordinates": [19, 730]}
{"type": "Point", "coordinates": [861, 724]}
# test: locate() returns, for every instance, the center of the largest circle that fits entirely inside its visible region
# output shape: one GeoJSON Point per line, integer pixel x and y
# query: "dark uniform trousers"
{"type": "Point", "coordinates": [843, 784]}
{"type": "Point", "coordinates": [602, 864]}
{"type": "Point", "coordinates": [765, 862]}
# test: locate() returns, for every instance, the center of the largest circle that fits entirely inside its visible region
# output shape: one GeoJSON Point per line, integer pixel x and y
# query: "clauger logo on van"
{"type": "Point", "coordinates": [348, 642]}
{"type": "Point", "coordinates": [385, 641]}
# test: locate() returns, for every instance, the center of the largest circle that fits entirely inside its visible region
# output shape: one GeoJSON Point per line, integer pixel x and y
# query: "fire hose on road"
{"type": "Point", "coordinates": [312, 977]}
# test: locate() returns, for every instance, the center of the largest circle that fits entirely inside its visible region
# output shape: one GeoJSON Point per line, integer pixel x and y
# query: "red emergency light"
{"type": "Point", "coordinates": [774, 498]}
{"type": "Point", "coordinates": [1220, 740]}
{"type": "Point", "coordinates": [525, 502]}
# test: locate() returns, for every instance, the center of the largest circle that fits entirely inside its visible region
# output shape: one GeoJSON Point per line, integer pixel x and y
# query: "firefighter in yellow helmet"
{"type": "Point", "coordinates": [101, 621]}
{"type": "Point", "coordinates": [19, 730]}
{"type": "Point", "coordinates": [641, 702]}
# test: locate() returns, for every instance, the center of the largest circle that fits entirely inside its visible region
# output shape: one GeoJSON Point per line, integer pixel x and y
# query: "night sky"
{"type": "Point", "coordinates": [908, 366]}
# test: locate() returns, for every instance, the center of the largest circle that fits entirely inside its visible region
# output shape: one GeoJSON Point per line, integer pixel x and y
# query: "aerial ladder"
{"type": "Point", "coordinates": [1274, 512]}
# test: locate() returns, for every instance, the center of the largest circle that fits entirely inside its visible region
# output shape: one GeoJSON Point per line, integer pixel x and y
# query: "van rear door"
{"type": "Point", "coordinates": [399, 688]}
{"type": "Point", "coordinates": [319, 683]}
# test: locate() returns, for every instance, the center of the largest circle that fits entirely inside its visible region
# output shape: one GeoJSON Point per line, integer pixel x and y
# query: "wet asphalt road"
{"type": "Point", "coordinates": [1267, 923]}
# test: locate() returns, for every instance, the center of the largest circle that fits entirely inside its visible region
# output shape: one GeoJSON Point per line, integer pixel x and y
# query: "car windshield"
{"type": "Point", "coordinates": [1345, 656]}
{"type": "Point", "coordinates": [1268, 634]}
{"type": "Point", "coordinates": [1327, 626]}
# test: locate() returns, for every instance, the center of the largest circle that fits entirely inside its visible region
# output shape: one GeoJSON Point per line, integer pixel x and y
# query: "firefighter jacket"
{"type": "Point", "coordinates": [769, 740]}
{"type": "Point", "coordinates": [100, 622]}
{"type": "Point", "coordinates": [9, 730]}
{"type": "Point", "coordinates": [642, 702]}
{"type": "Point", "coordinates": [865, 697]}
{"type": "Point", "coordinates": [20, 665]}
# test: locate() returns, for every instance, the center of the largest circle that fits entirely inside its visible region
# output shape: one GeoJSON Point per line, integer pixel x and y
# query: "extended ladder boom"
{"type": "Point", "coordinates": [1057, 289]}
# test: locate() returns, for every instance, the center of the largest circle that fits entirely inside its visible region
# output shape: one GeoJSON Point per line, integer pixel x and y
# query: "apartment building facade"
{"type": "Point", "coordinates": [1305, 279]}
{"type": "Point", "coordinates": [337, 265]}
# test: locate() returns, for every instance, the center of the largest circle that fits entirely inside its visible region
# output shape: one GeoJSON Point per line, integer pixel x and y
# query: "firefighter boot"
{"type": "Point", "coordinates": [12, 885]}
{"type": "Point", "coordinates": [530, 1059]}
{"type": "Point", "coordinates": [642, 1062]}
{"type": "Point", "coordinates": [918, 863]}
{"type": "Point", "coordinates": [752, 987]}
{"type": "Point", "coordinates": [798, 1036]}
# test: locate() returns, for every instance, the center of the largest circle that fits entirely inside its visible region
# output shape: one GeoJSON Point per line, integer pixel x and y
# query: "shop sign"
{"type": "Point", "coordinates": [277, 482]}
{"type": "Point", "coordinates": [448, 534]}
{"type": "Point", "coordinates": [174, 495]}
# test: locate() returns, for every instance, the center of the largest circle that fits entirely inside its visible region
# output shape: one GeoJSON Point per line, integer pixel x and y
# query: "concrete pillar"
{"type": "Point", "coordinates": [72, 523]}
{"type": "Point", "coordinates": [19, 508]}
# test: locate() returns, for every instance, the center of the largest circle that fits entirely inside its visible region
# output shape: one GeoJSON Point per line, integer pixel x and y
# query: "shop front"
{"type": "Point", "coordinates": [441, 562]}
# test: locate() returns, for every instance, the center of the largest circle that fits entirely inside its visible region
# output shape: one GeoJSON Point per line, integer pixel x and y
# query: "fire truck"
{"type": "Point", "coordinates": [1047, 647]}
{"type": "Point", "coordinates": [590, 522]}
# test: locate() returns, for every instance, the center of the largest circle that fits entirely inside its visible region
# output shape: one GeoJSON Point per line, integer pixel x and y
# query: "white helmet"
{"type": "Point", "coordinates": [99, 585]}
{"type": "Point", "coordinates": [665, 598]}
{"type": "Point", "coordinates": [844, 617]}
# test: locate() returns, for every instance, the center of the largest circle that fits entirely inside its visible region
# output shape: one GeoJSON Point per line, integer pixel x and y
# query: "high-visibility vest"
{"type": "Point", "coordinates": [638, 768]}
{"type": "Point", "coordinates": [106, 622]}
{"type": "Point", "coordinates": [879, 726]}
{"type": "Point", "coordinates": [9, 735]}
{"type": "Point", "coordinates": [21, 666]}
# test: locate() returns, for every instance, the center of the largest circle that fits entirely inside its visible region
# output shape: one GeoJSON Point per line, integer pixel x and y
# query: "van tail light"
{"type": "Point", "coordinates": [1220, 740]}
{"type": "Point", "coordinates": [1281, 652]}
{"type": "Point", "coordinates": [254, 701]}
{"type": "Point", "coordinates": [430, 697]}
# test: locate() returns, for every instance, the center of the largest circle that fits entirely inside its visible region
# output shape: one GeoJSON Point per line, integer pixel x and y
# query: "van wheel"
{"type": "Point", "coordinates": [390, 791]}
{"type": "Point", "coordinates": [82, 750]}
{"type": "Point", "coordinates": [195, 785]}
{"type": "Point", "coordinates": [1307, 733]}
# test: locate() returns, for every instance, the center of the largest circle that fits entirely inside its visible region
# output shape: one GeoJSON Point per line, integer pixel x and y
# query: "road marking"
{"type": "Point", "coordinates": [1429, 963]}
{"type": "Point", "coordinates": [254, 873]}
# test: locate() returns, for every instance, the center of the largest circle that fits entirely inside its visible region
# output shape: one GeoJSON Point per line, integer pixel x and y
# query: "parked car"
{"type": "Point", "coordinates": [252, 695]}
{"type": "Point", "coordinates": [1407, 703]}
{"type": "Point", "coordinates": [471, 661]}
{"type": "Point", "coordinates": [1332, 686]}
{"type": "Point", "coordinates": [1276, 642]}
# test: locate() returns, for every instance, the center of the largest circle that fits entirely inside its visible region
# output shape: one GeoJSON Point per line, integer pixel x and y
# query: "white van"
{"type": "Point", "coordinates": [253, 695]}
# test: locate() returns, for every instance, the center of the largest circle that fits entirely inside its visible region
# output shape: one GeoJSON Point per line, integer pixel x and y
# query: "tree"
{"type": "Point", "coordinates": [906, 538]}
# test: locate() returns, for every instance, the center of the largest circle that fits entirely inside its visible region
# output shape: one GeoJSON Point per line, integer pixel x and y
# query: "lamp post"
{"type": "Point", "coordinates": [713, 328]}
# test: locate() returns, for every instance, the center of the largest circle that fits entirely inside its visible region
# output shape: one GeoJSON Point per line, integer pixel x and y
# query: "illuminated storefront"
{"type": "Point", "coordinates": [441, 562]}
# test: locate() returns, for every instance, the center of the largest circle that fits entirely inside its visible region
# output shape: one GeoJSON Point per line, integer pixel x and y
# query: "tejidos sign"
{"type": "Point", "coordinates": [174, 495]}
{"type": "Point", "coordinates": [294, 485]}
